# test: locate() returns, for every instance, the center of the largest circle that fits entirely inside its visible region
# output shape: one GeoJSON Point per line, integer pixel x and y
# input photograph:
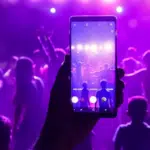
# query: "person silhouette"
{"type": "Point", "coordinates": [130, 66]}
{"type": "Point", "coordinates": [135, 134]}
{"type": "Point", "coordinates": [84, 103]}
{"type": "Point", "coordinates": [27, 102]}
{"type": "Point", "coordinates": [142, 76]}
{"type": "Point", "coordinates": [104, 97]}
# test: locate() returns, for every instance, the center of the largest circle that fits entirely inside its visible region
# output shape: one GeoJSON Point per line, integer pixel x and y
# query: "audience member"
{"type": "Point", "coordinates": [27, 101]}
{"type": "Point", "coordinates": [134, 135]}
{"type": "Point", "coordinates": [130, 66]}
{"type": "Point", "coordinates": [104, 97]}
{"type": "Point", "coordinates": [84, 103]}
{"type": "Point", "coordinates": [142, 75]}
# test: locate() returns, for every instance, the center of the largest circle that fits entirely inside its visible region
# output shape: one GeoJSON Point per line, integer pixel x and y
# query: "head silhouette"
{"type": "Point", "coordinates": [129, 64]}
{"type": "Point", "coordinates": [137, 108]}
{"type": "Point", "coordinates": [146, 58]}
{"type": "Point", "coordinates": [24, 70]}
{"type": "Point", "coordinates": [120, 73]}
{"type": "Point", "coordinates": [5, 133]}
{"type": "Point", "coordinates": [103, 84]}
{"type": "Point", "coordinates": [84, 85]}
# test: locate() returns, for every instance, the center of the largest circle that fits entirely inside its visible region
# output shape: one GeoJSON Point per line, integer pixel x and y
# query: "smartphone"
{"type": "Point", "coordinates": [93, 64]}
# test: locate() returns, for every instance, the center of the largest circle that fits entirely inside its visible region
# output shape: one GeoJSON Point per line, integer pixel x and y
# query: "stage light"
{"type": "Point", "coordinates": [94, 48]}
{"type": "Point", "coordinates": [74, 99]}
{"type": "Point", "coordinates": [86, 47]}
{"type": "Point", "coordinates": [119, 9]}
{"type": "Point", "coordinates": [52, 10]}
{"type": "Point", "coordinates": [72, 47]}
{"type": "Point", "coordinates": [100, 47]}
{"type": "Point", "coordinates": [93, 99]}
{"type": "Point", "coordinates": [108, 47]}
{"type": "Point", "coordinates": [79, 47]}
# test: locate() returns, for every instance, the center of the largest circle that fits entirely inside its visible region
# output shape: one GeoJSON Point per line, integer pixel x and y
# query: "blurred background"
{"type": "Point", "coordinates": [19, 20]}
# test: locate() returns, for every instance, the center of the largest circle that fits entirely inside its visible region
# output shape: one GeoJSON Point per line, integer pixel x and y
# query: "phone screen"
{"type": "Point", "coordinates": [93, 65]}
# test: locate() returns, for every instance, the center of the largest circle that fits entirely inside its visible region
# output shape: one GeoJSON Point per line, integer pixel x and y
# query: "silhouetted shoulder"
{"type": "Point", "coordinates": [119, 132]}
{"type": "Point", "coordinates": [131, 136]}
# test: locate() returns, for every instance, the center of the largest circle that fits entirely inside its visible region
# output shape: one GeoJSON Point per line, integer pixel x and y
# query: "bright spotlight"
{"type": "Point", "coordinates": [100, 47]}
{"type": "Point", "coordinates": [108, 46]}
{"type": "Point", "coordinates": [86, 47]}
{"type": "Point", "coordinates": [72, 47]}
{"type": "Point", "coordinates": [93, 99]}
{"type": "Point", "coordinates": [53, 10]}
{"type": "Point", "coordinates": [79, 47]}
{"type": "Point", "coordinates": [119, 9]}
{"type": "Point", "coordinates": [94, 48]}
{"type": "Point", "coordinates": [74, 99]}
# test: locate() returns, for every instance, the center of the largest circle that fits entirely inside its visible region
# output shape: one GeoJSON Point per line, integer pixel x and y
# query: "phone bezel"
{"type": "Point", "coordinates": [98, 18]}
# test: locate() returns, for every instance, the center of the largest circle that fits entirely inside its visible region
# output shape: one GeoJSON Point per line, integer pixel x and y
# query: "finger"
{"type": "Point", "coordinates": [61, 92]}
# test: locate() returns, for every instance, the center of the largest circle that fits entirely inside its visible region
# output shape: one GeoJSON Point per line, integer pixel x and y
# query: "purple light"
{"type": "Point", "coordinates": [119, 9]}
{"type": "Point", "coordinates": [109, 1]}
{"type": "Point", "coordinates": [57, 1]}
{"type": "Point", "coordinates": [13, 1]}
{"type": "Point", "coordinates": [53, 10]}
{"type": "Point", "coordinates": [34, 1]}
{"type": "Point", "coordinates": [84, 1]}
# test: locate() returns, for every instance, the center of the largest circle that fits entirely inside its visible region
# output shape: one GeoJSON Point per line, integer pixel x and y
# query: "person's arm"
{"type": "Point", "coordinates": [137, 74]}
{"type": "Point", "coordinates": [51, 50]}
{"type": "Point", "coordinates": [117, 139]}
{"type": "Point", "coordinates": [43, 50]}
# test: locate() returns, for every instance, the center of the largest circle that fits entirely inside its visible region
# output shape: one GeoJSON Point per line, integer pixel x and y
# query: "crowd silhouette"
{"type": "Point", "coordinates": [42, 117]}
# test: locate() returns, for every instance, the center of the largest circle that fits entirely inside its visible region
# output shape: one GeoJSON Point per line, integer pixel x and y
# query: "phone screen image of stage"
{"type": "Point", "coordinates": [93, 66]}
